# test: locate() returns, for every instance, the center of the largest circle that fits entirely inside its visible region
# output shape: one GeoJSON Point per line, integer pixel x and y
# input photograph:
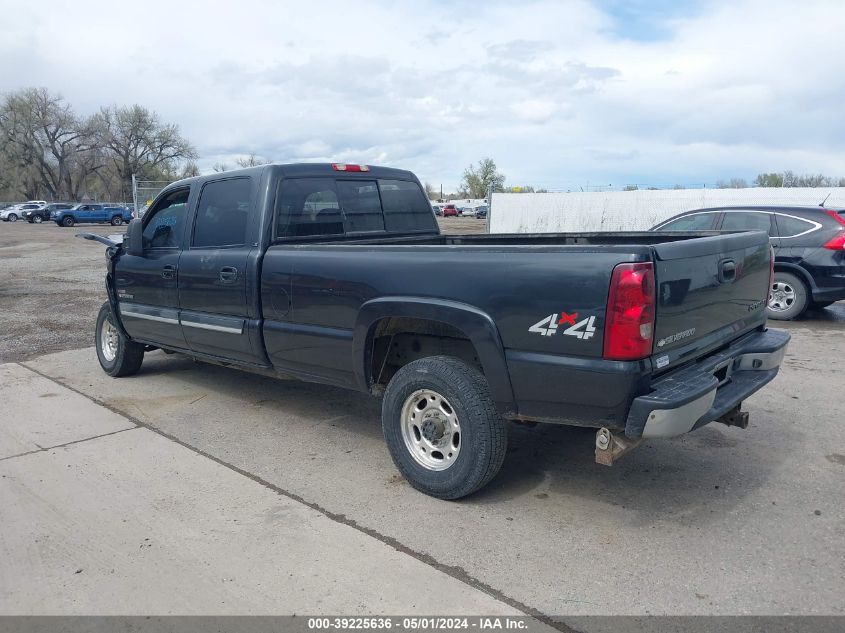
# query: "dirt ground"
{"type": "Point", "coordinates": [51, 285]}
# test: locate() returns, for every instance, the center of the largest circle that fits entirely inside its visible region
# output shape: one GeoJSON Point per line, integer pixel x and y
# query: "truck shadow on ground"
{"type": "Point", "coordinates": [691, 480]}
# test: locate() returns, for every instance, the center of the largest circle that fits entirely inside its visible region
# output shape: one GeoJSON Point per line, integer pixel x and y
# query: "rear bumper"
{"type": "Point", "coordinates": [693, 396]}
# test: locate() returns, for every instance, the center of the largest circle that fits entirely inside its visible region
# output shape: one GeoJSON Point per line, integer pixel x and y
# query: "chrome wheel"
{"type": "Point", "coordinates": [782, 296]}
{"type": "Point", "coordinates": [37, 219]}
{"type": "Point", "coordinates": [108, 340]}
{"type": "Point", "coordinates": [431, 430]}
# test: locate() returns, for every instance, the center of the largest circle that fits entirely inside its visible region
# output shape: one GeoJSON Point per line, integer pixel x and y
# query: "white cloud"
{"type": "Point", "coordinates": [551, 90]}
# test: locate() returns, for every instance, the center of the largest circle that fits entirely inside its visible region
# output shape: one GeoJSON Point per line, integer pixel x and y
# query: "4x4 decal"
{"type": "Point", "coordinates": [583, 329]}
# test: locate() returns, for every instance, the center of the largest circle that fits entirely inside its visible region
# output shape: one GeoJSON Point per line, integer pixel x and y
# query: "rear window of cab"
{"type": "Point", "coordinates": [308, 207]}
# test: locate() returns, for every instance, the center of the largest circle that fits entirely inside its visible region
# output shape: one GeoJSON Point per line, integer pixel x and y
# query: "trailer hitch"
{"type": "Point", "coordinates": [735, 417]}
{"type": "Point", "coordinates": [610, 447]}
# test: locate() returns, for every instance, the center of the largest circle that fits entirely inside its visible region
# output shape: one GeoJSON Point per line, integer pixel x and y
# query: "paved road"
{"type": "Point", "coordinates": [723, 521]}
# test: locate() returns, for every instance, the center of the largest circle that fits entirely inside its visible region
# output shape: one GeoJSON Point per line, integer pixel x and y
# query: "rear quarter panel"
{"type": "Point", "coordinates": [312, 295]}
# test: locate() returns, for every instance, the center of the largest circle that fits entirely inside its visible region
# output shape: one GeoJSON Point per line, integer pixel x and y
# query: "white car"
{"type": "Point", "coordinates": [16, 211]}
{"type": "Point", "coordinates": [468, 212]}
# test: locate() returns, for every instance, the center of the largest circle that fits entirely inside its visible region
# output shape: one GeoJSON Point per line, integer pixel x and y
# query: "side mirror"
{"type": "Point", "coordinates": [133, 243]}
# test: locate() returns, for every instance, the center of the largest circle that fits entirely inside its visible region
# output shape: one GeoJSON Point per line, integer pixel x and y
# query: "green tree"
{"type": "Point", "coordinates": [772, 179]}
{"type": "Point", "coordinates": [478, 181]}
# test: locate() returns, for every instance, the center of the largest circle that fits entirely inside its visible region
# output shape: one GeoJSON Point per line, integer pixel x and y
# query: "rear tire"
{"type": "Point", "coordinates": [116, 220]}
{"type": "Point", "coordinates": [442, 428]}
{"type": "Point", "coordinates": [67, 221]}
{"type": "Point", "coordinates": [13, 217]}
{"type": "Point", "coordinates": [789, 297]}
{"type": "Point", "coordinates": [37, 219]}
{"type": "Point", "coordinates": [118, 356]}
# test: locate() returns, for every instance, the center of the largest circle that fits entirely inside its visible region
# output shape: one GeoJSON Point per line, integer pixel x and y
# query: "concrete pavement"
{"type": "Point", "coordinates": [723, 521]}
{"type": "Point", "coordinates": [102, 516]}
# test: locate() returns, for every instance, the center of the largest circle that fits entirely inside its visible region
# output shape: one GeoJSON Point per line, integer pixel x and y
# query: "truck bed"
{"type": "Point", "coordinates": [639, 238]}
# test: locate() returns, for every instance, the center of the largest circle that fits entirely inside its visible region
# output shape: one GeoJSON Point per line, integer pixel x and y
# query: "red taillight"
{"type": "Point", "coordinates": [346, 167]}
{"type": "Point", "coordinates": [835, 215]}
{"type": "Point", "coordinates": [629, 326]}
{"type": "Point", "coordinates": [837, 243]}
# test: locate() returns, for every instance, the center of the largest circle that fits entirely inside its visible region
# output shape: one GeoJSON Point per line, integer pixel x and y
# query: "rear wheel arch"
{"type": "Point", "coordinates": [462, 330]}
{"type": "Point", "coordinates": [787, 267]}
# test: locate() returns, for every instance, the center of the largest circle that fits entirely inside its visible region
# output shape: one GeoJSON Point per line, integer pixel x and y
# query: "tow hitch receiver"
{"type": "Point", "coordinates": [610, 447]}
{"type": "Point", "coordinates": [735, 417]}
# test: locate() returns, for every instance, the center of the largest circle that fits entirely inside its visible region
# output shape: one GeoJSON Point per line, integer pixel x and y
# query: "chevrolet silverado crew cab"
{"type": "Point", "coordinates": [333, 273]}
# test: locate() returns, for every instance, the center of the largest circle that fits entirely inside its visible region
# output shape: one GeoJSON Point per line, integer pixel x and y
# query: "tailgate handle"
{"type": "Point", "coordinates": [727, 271]}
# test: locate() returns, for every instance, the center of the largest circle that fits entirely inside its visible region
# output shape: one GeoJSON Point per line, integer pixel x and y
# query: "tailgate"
{"type": "Point", "coordinates": [709, 291]}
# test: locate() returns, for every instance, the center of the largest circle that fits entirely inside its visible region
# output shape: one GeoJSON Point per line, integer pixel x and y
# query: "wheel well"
{"type": "Point", "coordinates": [798, 272]}
{"type": "Point", "coordinates": [397, 341]}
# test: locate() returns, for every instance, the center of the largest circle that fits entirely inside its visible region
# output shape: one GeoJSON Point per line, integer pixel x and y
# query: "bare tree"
{"type": "Point", "coordinates": [251, 161]}
{"type": "Point", "coordinates": [140, 143]}
{"type": "Point", "coordinates": [430, 191]}
{"type": "Point", "coordinates": [43, 134]}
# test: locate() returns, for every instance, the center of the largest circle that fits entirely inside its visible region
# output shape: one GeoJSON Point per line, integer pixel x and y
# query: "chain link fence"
{"type": "Point", "coordinates": [144, 192]}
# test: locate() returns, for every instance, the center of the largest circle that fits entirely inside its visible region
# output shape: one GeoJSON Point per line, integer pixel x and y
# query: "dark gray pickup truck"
{"type": "Point", "coordinates": [338, 274]}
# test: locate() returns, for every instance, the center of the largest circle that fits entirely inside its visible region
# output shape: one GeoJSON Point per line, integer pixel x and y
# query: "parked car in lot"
{"type": "Point", "coordinates": [809, 245]}
{"type": "Point", "coordinates": [481, 212]}
{"type": "Point", "coordinates": [468, 212]}
{"type": "Point", "coordinates": [17, 211]}
{"type": "Point", "coordinates": [438, 209]}
{"type": "Point", "coordinates": [37, 216]}
{"type": "Point", "coordinates": [450, 210]}
{"type": "Point", "coordinates": [91, 213]}
{"type": "Point", "coordinates": [641, 335]}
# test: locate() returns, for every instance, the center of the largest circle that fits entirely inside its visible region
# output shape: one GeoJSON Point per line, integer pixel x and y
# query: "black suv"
{"type": "Point", "coordinates": [809, 244]}
{"type": "Point", "coordinates": [38, 216]}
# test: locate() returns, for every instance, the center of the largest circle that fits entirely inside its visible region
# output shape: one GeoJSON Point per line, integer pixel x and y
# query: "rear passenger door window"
{"type": "Point", "coordinates": [222, 214]}
{"type": "Point", "coordinates": [747, 221]}
{"type": "Point", "coordinates": [692, 222]}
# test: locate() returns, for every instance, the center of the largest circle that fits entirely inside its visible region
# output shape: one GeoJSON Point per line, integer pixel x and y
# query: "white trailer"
{"type": "Point", "coordinates": [633, 210]}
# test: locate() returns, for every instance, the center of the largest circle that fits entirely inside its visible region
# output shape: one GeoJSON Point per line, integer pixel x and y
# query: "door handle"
{"type": "Point", "coordinates": [168, 272]}
{"type": "Point", "coordinates": [727, 271]}
{"type": "Point", "coordinates": [228, 274]}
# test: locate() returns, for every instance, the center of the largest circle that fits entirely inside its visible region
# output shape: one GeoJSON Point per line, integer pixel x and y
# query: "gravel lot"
{"type": "Point", "coordinates": [51, 285]}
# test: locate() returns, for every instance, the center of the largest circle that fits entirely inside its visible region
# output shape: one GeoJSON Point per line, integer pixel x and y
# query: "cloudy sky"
{"type": "Point", "coordinates": [559, 93]}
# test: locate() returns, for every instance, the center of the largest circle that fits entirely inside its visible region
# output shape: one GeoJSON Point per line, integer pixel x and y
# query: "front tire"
{"type": "Point", "coordinates": [67, 221]}
{"type": "Point", "coordinates": [37, 219]}
{"type": "Point", "coordinates": [118, 356]}
{"type": "Point", "coordinates": [789, 297]}
{"type": "Point", "coordinates": [442, 428]}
